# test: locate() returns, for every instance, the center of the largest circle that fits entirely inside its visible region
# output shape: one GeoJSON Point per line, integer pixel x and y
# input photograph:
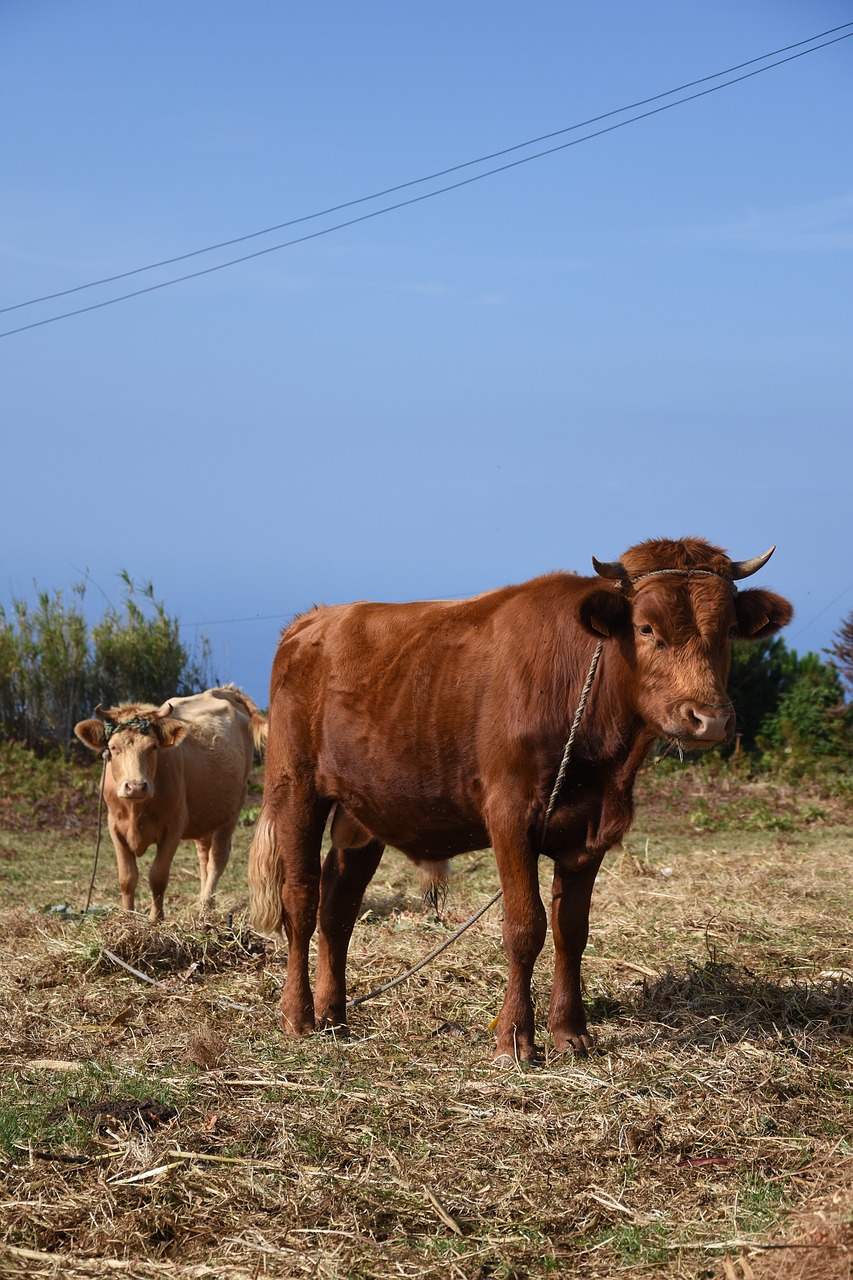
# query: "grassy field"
{"type": "Point", "coordinates": [159, 1125]}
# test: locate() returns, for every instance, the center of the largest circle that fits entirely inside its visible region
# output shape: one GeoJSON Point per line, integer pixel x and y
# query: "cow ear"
{"type": "Point", "coordinates": [761, 613]}
{"type": "Point", "coordinates": [92, 733]}
{"type": "Point", "coordinates": [169, 732]}
{"type": "Point", "coordinates": [604, 612]}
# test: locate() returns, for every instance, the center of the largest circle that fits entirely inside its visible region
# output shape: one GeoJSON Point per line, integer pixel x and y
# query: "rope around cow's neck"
{"type": "Point", "coordinates": [567, 753]}
{"type": "Point", "coordinates": [564, 764]}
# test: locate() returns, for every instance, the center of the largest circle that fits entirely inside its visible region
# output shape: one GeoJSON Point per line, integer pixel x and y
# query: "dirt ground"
{"type": "Point", "coordinates": [154, 1121]}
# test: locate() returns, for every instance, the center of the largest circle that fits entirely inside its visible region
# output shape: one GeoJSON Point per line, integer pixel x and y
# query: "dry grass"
{"type": "Point", "coordinates": [161, 1126]}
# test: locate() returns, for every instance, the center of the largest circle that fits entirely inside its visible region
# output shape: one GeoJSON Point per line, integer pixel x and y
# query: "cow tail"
{"type": "Point", "coordinates": [260, 727]}
{"type": "Point", "coordinates": [266, 879]}
{"type": "Point", "coordinates": [258, 723]}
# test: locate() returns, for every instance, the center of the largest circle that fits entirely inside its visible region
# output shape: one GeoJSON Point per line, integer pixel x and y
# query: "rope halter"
{"type": "Point", "coordinates": [138, 722]}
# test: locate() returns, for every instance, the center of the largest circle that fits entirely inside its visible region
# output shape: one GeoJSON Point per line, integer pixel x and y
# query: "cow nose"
{"type": "Point", "coordinates": [707, 724]}
{"type": "Point", "coordinates": [135, 790]}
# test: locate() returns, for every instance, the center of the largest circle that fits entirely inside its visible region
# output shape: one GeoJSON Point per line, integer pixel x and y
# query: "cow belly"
{"type": "Point", "coordinates": [215, 776]}
{"type": "Point", "coordinates": [210, 815]}
{"type": "Point", "coordinates": [432, 831]}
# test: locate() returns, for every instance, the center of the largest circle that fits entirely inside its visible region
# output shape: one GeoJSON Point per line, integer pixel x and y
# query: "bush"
{"type": "Point", "coordinates": [139, 658]}
{"type": "Point", "coordinates": [841, 651]}
{"type": "Point", "coordinates": [761, 673]}
{"type": "Point", "coordinates": [53, 671]}
{"type": "Point", "coordinates": [811, 720]}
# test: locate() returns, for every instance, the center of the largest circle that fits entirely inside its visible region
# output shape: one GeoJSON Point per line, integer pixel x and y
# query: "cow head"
{"type": "Point", "coordinates": [674, 609]}
{"type": "Point", "coordinates": [131, 738]}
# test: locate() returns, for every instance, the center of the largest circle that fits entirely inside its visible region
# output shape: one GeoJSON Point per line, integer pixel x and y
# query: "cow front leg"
{"type": "Point", "coordinates": [158, 874]}
{"type": "Point", "coordinates": [346, 874]}
{"type": "Point", "coordinates": [574, 877]}
{"type": "Point", "coordinates": [524, 927]}
{"type": "Point", "coordinates": [128, 871]}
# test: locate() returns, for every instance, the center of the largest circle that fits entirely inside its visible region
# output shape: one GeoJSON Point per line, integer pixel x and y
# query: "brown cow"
{"type": "Point", "coordinates": [438, 728]}
{"type": "Point", "coordinates": [177, 772]}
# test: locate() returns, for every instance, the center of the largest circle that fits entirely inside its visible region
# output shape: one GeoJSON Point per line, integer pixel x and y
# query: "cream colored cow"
{"type": "Point", "coordinates": [175, 772]}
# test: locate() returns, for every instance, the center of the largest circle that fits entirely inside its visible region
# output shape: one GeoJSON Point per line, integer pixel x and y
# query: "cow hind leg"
{"type": "Point", "coordinates": [346, 875]}
{"type": "Point", "coordinates": [202, 846]}
{"type": "Point", "coordinates": [213, 854]}
{"type": "Point", "coordinates": [572, 890]}
{"type": "Point", "coordinates": [284, 882]}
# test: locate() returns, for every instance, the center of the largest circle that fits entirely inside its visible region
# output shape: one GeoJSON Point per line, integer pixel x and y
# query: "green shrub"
{"type": "Point", "coordinates": [139, 657]}
{"type": "Point", "coordinates": [761, 673]}
{"type": "Point", "coordinates": [811, 720]}
{"type": "Point", "coordinates": [53, 670]}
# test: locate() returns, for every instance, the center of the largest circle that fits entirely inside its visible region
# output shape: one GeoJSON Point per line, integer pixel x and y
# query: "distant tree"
{"type": "Point", "coordinates": [841, 651]}
{"type": "Point", "coordinates": [761, 673]}
{"type": "Point", "coordinates": [10, 709]}
{"type": "Point", "coordinates": [811, 720]}
{"type": "Point", "coordinates": [789, 705]}
{"type": "Point", "coordinates": [138, 655]}
{"type": "Point", "coordinates": [53, 672]}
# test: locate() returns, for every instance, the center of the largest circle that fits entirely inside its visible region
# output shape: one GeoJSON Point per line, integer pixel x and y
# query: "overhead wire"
{"type": "Point", "coordinates": [283, 617]}
{"type": "Point", "coordinates": [805, 626]}
{"type": "Point", "coordinates": [440, 173]}
{"type": "Point", "coordinates": [419, 198]}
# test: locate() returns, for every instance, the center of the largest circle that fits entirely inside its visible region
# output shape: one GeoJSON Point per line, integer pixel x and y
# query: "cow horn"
{"type": "Point", "coordinates": [746, 568]}
{"type": "Point", "coordinates": [610, 569]}
{"type": "Point", "coordinates": [100, 712]}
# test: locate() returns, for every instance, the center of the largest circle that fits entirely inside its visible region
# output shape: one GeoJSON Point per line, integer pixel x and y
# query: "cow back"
{"type": "Point", "coordinates": [213, 758]}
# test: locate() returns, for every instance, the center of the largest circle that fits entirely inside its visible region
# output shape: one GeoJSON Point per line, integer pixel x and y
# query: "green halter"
{"type": "Point", "coordinates": [138, 722]}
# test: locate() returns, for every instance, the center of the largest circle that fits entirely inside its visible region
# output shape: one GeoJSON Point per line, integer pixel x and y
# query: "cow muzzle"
{"type": "Point", "coordinates": [704, 726]}
{"type": "Point", "coordinates": [135, 789]}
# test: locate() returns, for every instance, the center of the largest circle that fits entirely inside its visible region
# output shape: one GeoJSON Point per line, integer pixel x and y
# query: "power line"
{"type": "Point", "coordinates": [401, 204]}
{"type": "Point", "coordinates": [283, 617]}
{"type": "Point", "coordinates": [222, 622]}
{"type": "Point", "coordinates": [440, 173]}
{"type": "Point", "coordinates": [805, 626]}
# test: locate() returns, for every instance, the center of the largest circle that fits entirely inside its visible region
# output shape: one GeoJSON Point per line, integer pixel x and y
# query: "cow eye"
{"type": "Point", "coordinates": [646, 630]}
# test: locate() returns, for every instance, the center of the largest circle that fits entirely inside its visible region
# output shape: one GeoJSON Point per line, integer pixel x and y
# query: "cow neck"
{"type": "Point", "coordinates": [567, 751]}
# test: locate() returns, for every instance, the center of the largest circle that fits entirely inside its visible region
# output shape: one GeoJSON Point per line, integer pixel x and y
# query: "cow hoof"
{"type": "Point", "coordinates": [578, 1044]}
{"type": "Point", "coordinates": [331, 1027]}
{"type": "Point", "coordinates": [503, 1059]}
{"type": "Point", "coordinates": [297, 1026]}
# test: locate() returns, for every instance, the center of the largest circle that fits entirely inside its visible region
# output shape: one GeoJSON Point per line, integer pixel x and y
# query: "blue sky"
{"type": "Point", "coordinates": [646, 334]}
